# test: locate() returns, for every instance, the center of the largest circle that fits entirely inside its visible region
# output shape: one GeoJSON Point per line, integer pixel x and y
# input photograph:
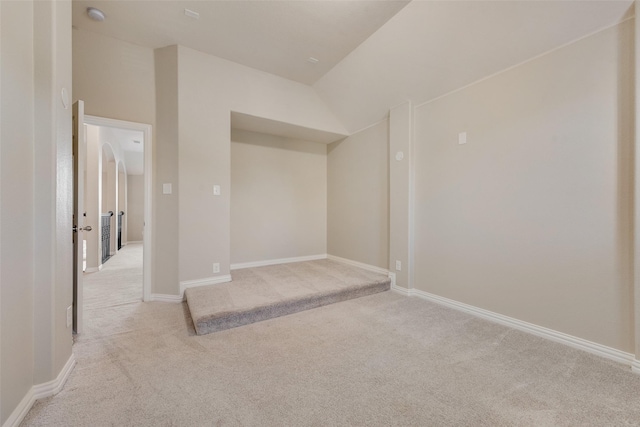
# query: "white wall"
{"type": "Point", "coordinates": [122, 204]}
{"type": "Point", "coordinates": [358, 196]}
{"type": "Point", "coordinates": [532, 217]}
{"type": "Point", "coordinates": [278, 197]}
{"type": "Point", "coordinates": [92, 198]}
{"type": "Point", "coordinates": [135, 207]}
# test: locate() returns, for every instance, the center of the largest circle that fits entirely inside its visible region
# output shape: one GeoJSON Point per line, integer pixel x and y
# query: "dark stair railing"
{"type": "Point", "coordinates": [106, 235]}
{"type": "Point", "coordinates": [120, 215]}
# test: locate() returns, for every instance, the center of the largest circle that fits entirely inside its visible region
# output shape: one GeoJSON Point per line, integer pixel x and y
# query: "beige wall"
{"type": "Point", "coordinates": [165, 206]}
{"type": "Point", "coordinates": [532, 217]}
{"type": "Point", "coordinates": [400, 210]}
{"type": "Point", "coordinates": [358, 196]}
{"type": "Point", "coordinates": [115, 79]}
{"type": "Point", "coordinates": [195, 95]}
{"type": "Point", "coordinates": [35, 197]}
{"type": "Point", "coordinates": [278, 197]}
{"type": "Point", "coordinates": [209, 89]}
{"type": "Point", "coordinates": [16, 204]}
{"type": "Point", "coordinates": [59, 18]}
{"type": "Point", "coordinates": [135, 207]}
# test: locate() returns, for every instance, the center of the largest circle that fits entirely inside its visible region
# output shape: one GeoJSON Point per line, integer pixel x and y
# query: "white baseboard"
{"type": "Point", "coordinates": [359, 264]}
{"type": "Point", "coordinates": [40, 391]}
{"type": "Point", "coordinates": [392, 276]}
{"type": "Point", "coordinates": [239, 266]}
{"type": "Point", "coordinates": [91, 270]}
{"type": "Point", "coordinates": [134, 242]}
{"type": "Point", "coordinates": [166, 298]}
{"type": "Point", "coordinates": [399, 289]}
{"type": "Point", "coordinates": [635, 367]}
{"type": "Point", "coordinates": [550, 334]}
{"type": "Point", "coordinates": [203, 282]}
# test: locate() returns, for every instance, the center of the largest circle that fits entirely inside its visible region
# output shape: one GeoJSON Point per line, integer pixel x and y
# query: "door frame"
{"type": "Point", "coordinates": [148, 193]}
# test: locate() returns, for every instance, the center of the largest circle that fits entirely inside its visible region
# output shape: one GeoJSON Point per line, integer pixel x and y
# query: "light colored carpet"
{"type": "Point", "coordinates": [262, 293]}
{"type": "Point", "coordinates": [119, 281]}
{"type": "Point", "coordinates": [380, 360]}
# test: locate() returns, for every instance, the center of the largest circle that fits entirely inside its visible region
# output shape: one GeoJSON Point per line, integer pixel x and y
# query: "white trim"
{"type": "Point", "coordinates": [92, 270]}
{"type": "Point", "coordinates": [411, 200]}
{"type": "Point", "coordinates": [253, 264]}
{"type": "Point", "coordinates": [166, 298]}
{"type": "Point", "coordinates": [497, 73]}
{"type": "Point", "coordinates": [401, 290]}
{"type": "Point", "coordinates": [216, 280]}
{"type": "Point", "coordinates": [392, 276]}
{"type": "Point", "coordinates": [134, 242]}
{"type": "Point", "coordinates": [40, 391]}
{"type": "Point", "coordinates": [148, 232]}
{"type": "Point", "coordinates": [550, 334]}
{"type": "Point", "coordinates": [53, 387]}
{"type": "Point", "coordinates": [21, 410]}
{"type": "Point", "coordinates": [359, 264]}
{"type": "Point", "coordinates": [635, 366]}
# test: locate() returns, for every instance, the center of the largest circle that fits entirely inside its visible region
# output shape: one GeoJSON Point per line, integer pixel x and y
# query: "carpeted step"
{"type": "Point", "coordinates": [262, 293]}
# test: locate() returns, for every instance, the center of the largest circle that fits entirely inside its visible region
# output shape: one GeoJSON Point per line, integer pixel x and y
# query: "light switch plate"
{"type": "Point", "coordinates": [462, 138]}
{"type": "Point", "coordinates": [166, 188]}
{"type": "Point", "coordinates": [216, 190]}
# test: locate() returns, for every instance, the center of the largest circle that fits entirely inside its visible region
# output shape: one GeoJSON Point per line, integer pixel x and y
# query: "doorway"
{"type": "Point", "coordinates": [118, 196]}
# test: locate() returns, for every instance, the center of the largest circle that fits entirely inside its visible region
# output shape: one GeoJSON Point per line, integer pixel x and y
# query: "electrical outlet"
{"type": "Point", "coordinates": [216, 267]}
{"type": "Point", "coordinates": [398, 265]}
{"type": "Point", "coordinates": [69, 316]}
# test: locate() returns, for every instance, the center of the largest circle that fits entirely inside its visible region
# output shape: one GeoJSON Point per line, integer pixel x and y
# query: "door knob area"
{"type": "Point", "coordinates": [87, 228]}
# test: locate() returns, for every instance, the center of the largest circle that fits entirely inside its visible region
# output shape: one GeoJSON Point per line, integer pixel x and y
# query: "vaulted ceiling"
{"type": "Point", "coordinates": [433, 47]}
{"type": "Point", "coordinates": [274, 36]}
{"type": "Point", "coordinates": [373, 54]}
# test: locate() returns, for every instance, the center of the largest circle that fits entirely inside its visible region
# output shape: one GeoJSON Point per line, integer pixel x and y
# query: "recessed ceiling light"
{"type": "Point", "coordinates": [192, 14]}
{"type": "Point", "coordinates": [313, 60]}
{"type": "Point", "coordinates": [135, 141]}
{"type": "Point", "coordinates": [95, 14]}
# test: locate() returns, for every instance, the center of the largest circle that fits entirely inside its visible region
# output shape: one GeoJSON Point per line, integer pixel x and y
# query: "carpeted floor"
{"type": "Point", "coordinates": [380, 360]}
{"type": "Point", "coordinates": [119, 281]}
{"type": "Point", "coordinates": [261, 293]}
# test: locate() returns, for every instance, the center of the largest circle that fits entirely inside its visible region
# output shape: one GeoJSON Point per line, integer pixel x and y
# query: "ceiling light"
{"type": "Point", "coordinates": [135, 141]}
{"type": "Point", "coordinates": [313, 60]}
{"type": "Point", "coordinates": [95, 14]}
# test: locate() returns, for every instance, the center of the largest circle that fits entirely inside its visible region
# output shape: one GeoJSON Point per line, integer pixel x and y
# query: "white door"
{"type": "Point", "coordinates": [79, 160]}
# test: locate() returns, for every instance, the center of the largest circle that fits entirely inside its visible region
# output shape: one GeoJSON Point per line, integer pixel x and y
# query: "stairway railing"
{"type": "Point", "coordinates": [105, 222]}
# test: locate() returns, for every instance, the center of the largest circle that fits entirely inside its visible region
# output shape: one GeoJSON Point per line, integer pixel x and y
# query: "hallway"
{"type": "Point", "coordinates": [119, 283]}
